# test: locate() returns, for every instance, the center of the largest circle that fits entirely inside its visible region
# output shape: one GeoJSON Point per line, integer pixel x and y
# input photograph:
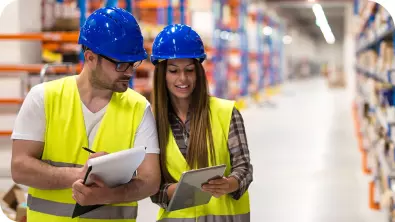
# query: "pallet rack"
{"type": "Point", "coordinates": [374, 106]}
{"type": "Point", "coordinates": [220, 70]}
{"type": "Point", "coordinates": [52, 40]}
{"type": "Point", "coordinates": [266, 71]}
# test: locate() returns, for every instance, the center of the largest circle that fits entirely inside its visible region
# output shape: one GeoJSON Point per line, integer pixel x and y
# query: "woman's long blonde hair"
{"type": "Point", "coordinates": [200, 130]}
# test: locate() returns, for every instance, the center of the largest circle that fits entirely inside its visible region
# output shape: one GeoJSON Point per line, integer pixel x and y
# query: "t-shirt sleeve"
{"type": "Point", "coordinates": [146, 134]}
{"type": "Point", "coordinates": [30, 121]}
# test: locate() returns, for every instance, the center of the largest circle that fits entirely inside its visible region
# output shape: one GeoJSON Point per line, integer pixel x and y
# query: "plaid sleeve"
{"type": "Point", "coordinates": [160, 198]}
{"type": "Point", "coordinates": [240, 156]}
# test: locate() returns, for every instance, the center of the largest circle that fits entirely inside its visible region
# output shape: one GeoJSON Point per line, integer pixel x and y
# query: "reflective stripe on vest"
{"type": "Point", "coordinates": [66, 210]}
{"type": "Point", "coordinates": [212, 218]}
{"type": "Point", "coordinates": [220, 209]}
{"type": "Point", "coordinates": [60, 164]}
{"type": "Point", "coordinates": [65, 136]}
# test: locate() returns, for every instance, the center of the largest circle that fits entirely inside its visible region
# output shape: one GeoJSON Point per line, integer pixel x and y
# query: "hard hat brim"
{"type": "Point", "coordinates": [155, 59]}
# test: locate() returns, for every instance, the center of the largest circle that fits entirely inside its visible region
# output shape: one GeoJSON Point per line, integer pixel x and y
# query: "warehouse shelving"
{"type": "Point", "coordinates": [53, 40]}
{"type": "Point", "coordinates": [271, 60]}
{"type": "Point", "coordinates": [244, 48]}
{"type": "Point", "coordinates": [259, 54]}
{"type": "Point", "coordinates": [226, 79]}
{"type": "Point", "coordinates": [374, 108]}
{"type": "Point", "coordinates": [256, 73]}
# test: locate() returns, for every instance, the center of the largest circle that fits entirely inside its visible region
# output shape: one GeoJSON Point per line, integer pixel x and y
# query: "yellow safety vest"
{"type": "Point", "coordinates": [220, 209]}
{"type": "Point", "coordinates": [64, 138]}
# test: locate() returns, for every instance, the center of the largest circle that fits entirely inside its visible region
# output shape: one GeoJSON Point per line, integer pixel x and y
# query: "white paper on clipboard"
{"type": "Point", "coordinates": [116, 168]}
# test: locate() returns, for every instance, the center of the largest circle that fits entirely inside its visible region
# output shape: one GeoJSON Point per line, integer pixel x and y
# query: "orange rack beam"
{"type": "Point", "coordinates": [5, 133]}
{"type": "Point", "coordinates": [151, 4]}
{"type": "Point", "coordinates": [43, 36]}
{"type": "Point", "coordinates": [230, 50]}
{"type": "Point", "coordinates": [35, 68]}
{"type": "Point", "coordinates": [50, 37]}
{"type": "Point", "coordinates": [11, 101]}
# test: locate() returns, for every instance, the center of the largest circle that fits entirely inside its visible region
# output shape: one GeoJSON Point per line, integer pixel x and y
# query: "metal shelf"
{"type": "Point", "coordinates": [385, 164]}
{"type": "Point", "coordinates": [379, 37]}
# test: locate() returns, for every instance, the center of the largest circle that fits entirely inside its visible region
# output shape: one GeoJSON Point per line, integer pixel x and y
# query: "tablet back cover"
{"type": "Point", "coordinates": [189, 190]}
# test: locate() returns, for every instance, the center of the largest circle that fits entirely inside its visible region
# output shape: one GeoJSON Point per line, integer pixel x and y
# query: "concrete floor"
{"type": "Point", "coordinates": [306, 162]}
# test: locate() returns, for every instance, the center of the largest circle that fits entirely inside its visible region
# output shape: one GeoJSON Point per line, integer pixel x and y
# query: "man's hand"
{"type": "Point", "coordinates": [222, 186]}
{"type": "Point", "coordinates": [84, 195]}
{"type": "Point", "coordinates": [97, 193]}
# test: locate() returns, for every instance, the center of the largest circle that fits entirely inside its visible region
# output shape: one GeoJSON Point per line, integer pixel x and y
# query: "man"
{"type": "Point", "coordinates": [95, 109]}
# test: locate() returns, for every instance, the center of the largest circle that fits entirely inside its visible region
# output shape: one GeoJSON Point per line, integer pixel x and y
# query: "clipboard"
{"type": "Point", "coordinates": [188, 192]}
{"type": "Point", "coordinates": [125, 163]}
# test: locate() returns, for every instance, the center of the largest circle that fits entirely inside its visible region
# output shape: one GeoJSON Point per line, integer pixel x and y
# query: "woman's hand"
{"type": "Point", "coordinates": [221, 186]}
{"type": "Point", "coordinates": [170, 190]}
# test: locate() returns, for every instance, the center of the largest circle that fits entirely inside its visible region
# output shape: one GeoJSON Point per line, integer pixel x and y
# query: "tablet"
{"type": "Point", "coordinates": [188, 192]}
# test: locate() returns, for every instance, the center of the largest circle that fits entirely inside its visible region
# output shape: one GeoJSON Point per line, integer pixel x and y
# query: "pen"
{"type": "Point", "coordinates": [89, 150]}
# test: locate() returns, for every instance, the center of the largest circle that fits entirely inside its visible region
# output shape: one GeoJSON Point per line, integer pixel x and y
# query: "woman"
{"type": "Point", "coordinates": [196, 130]}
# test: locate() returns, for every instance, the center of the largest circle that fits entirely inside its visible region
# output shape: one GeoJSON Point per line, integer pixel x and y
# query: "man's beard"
{"type": "Point", "coordinates": [98, 82]}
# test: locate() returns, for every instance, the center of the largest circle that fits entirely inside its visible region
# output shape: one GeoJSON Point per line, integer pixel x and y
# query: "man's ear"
{"type": "Point", "coordinates": [90, 58]}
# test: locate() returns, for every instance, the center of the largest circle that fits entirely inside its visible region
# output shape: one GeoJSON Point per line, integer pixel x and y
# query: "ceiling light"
{"type": "Point", "coordinates": [224, 35]}
{"type": "Point", "coordinates": [322, 22]}
{"type": "Point", "coordinates": [267, 30]}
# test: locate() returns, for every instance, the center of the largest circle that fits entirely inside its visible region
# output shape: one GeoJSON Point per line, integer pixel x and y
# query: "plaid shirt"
{"type": "Point", "coordinates": [238, 149]}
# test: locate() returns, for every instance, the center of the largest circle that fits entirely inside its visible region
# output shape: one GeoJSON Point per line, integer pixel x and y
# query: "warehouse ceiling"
{"type": "Point", "coordinates": [298, 13]}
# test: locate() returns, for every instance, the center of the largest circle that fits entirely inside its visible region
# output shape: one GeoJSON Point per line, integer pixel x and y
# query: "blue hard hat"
{"type": "Point", "coordinates": [113, 32]}
{"type": "Point", "coordinates": [177, 41]}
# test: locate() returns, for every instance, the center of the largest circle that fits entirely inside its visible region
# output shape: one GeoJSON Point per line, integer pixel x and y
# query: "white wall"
{"type": "Point", "coordinates": [330, 53]}
{"type": "Point", "coordinates": [17, 16]}
{"type": "Point", "coordinates": [302, 46]}
{"type": "Point", "coordinates": [11, 22]}
{"type": "Point", "coordinates": [31, 22]}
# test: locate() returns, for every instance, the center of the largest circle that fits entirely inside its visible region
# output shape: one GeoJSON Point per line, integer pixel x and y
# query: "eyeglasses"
{"type": "Point", "coordinates": [123, 66]}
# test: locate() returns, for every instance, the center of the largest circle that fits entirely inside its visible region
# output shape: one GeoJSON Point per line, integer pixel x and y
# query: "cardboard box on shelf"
{"type": "Point", "coordinates": [336, 80]}
{"type": "Point", "coordinates": [384, 46]}
{"type": "Point", "coordinates": [391, 154]}
{"type": "Point", "coordinates": [14, 202]}
{"type": "Point", "coordinates": [382, 15]}
{"type": "Point", "coordinates": [378, 63]}
{"type": "Point", "coordinates": [65, 24]}
{"type": "Point", "coordinates": [389, 56]}
{"type": "Point", "coordinates": [368, 60]}
{"type": "Point", "coordinates": [372, 58]}
{"type": "Point", "coordinates": [10, 213]}
{"type": "Point", "coordinates": [61, 16]}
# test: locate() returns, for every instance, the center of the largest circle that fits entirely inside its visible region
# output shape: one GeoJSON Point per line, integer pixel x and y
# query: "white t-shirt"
{"type": "Point", "coordinates": [30, 123]}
